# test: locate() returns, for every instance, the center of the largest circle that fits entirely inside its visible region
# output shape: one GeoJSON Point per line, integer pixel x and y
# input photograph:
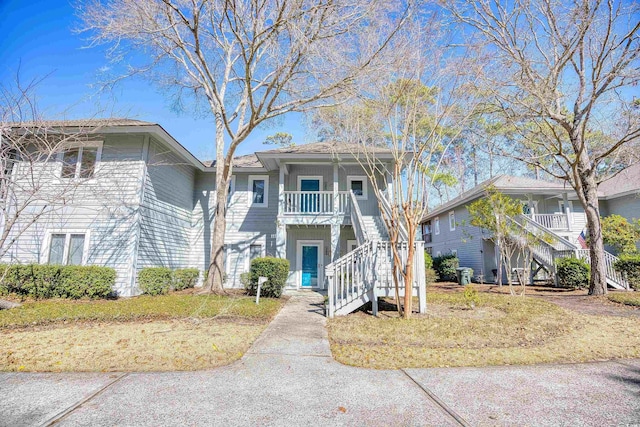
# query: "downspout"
{"type": "Point", "coordinates": [138, 217]}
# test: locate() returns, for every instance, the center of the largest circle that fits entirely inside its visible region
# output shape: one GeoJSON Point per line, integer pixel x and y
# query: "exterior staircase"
{"type": "Point", "coordinates": [366, 273]}
{"type": "Point", "coordinates": [548, 246]}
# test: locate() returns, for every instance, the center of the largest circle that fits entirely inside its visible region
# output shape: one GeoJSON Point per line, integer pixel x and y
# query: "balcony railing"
{"type": "Point", "coordinates": [552, 221]}
{"type": "Point", "coordinates": [315, 203]}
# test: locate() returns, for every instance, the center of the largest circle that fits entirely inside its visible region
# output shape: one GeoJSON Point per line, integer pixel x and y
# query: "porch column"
{"type": "Point", "coordinates": [283, 169]}
{"type": "Point", "coordinates": [336, 201]}
{"type": "Point", "coordinates": [281, 240]}
{"type": "Point", "coordinates": [567, 210]}
{"type": "Point", "coordinates": [389, 185]}
{"type": "Point", "coordinates": [335, 241]}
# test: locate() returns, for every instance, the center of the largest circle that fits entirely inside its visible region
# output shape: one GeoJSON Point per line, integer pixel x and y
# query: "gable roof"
{"type": "Point", "coordinates": [627, 181]}
{"type": "Point", "coordinates": [325, 147]}
{"type": "Point", "coordinates": [80, 123]}
{"type": "Point", "coordinates": [507, 184]}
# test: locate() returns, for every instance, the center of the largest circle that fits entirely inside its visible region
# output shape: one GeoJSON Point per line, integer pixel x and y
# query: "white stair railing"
{"type": "Point", "coordinates": [357, 222]}
{"type": "Point", "coordinates": [386, 207]}
{"type": "Point", "coordinates": [614, 277]}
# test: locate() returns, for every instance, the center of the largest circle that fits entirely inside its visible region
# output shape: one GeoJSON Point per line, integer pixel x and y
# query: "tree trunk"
{"type": "Point", "coordinates": [598, 280]}
{"type": "Point", "coordinates": [408, 280]}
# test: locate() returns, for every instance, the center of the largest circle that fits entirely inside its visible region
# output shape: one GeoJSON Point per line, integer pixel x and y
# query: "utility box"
{"type": "Point", "coordinates": [464, 275]}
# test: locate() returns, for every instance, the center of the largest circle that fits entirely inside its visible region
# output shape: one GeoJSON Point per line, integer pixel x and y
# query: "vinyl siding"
{"type": "Point", "coordinates": [166, 211]}
{"type": "Point", "coordinates": [106, 206]}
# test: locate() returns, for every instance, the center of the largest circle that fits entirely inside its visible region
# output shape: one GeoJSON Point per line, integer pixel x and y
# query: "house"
{"type": "Point", "coordinates": [149, 202]}
{"type": "Point", "coordinates": [550, 209]}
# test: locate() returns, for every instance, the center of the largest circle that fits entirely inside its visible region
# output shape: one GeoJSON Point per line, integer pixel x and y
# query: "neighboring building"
{"type": "Point", "coordinates": [150, 203]}
{"type": "Point", "coordinates": [549, 207]}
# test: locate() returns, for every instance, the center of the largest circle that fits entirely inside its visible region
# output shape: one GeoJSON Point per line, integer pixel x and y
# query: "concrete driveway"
{"type": "Point", "coordinates": [288, 378]}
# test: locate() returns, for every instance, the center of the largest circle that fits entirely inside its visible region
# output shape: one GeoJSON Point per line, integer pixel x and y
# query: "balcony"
{"type": "Point", "coordinates": [552, 221]}
{"type": "Point", "coordinates": [314, 207]}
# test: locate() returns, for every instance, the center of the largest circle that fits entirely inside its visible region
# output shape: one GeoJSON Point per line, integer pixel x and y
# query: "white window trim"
{"type": "Point", "coordinates": [436, 225]}
{"type": "Point", "coordinates": [44, 253]}
{"type": "Point", "coordinates": [351, 242]}
{"type": "Point", "coordinates": [253, 178]}
{"type": "Point", "coordinates": [452, 225]}
{"type": "Point", "coordinates": [247, 253]}
{"type": "Point", "coordinates": [365, 185]}
{"type": "Point", "coordinates": [319, 178]}
{"type": "Point", "coordinates": [227, 259]}
{"type": "Point", "coordinates": [90, 144]}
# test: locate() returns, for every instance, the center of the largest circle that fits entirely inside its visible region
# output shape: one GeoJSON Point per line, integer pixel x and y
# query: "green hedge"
{"type": "Point", "coordinates": [445, 267]}
{"type": "Point", "coordinates": [629, 264]}
{"type": "Point", "coordinates": [428, 261]}
{"type": "Point", "coordinates": [184, 278]}
{"type": "Point", "coordinates": [62, 281]}
{"type": "Point", "coordinates": [572, 273]}
{"type": "Point", "coordinates": [161, 280]}
{"type": "Point", "coordinates": [155, 280]}
{"type": "Point", "coordinates": [274, 269]}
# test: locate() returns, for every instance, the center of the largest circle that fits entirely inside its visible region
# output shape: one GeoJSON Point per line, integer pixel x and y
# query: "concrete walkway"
{"type": "Point", "coordinates": [289, 378]}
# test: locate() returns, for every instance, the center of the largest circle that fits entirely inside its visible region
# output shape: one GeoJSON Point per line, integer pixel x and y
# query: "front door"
{"type": "Point", "coordinates": [310, 264]}
{"type": "Point", "coordinates": [310, 202]}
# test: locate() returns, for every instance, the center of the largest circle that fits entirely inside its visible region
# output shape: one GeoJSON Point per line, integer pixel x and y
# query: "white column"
{"type": "Point", "coordinates": [281, 190]}
{"type": "Point", "coordinates": [335, 189]}
{"type": "Point", "coordinates": [281, 240]}
{"type": "Point", "coordinates": [335, 241]}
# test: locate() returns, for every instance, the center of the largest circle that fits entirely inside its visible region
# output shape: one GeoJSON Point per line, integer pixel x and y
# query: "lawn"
{"type": "Point", "coordinates": [170, 332]}
{"type": "Point", "coordinates": [501, 330]}
{"type": "Point", "coordinates": [626, 298]}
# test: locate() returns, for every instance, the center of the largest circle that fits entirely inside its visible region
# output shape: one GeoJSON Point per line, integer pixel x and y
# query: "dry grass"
{"type": "Point", "coordinates": [502, 330]}
{"type": "Point", "coordinates": [171, 332]}
{"type": "Point", "coordinates": [626, 298]}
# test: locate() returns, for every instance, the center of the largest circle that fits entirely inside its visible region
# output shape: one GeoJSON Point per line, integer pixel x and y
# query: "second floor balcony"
{"type": "Point", "coordinates": [314, 206]}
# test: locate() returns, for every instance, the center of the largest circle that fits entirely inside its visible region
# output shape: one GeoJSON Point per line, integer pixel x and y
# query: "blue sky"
{"type": "Point", "coordinates": [38, 39]}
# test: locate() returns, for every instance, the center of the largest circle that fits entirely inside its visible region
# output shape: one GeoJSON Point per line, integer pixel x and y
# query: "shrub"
{"type": "Point", "coordinates": [471, 297]}
{"type": "Point", "coordinates": [572, 273]}
{"type": "Point", "coordinates": [428, 261]}
{"type": "Point", "coordinates": [184, 278]}
{"type": "Point", "coordinates": [274, 269]}
{"type": "Point", "coordinates": [64, 281]}
{"type": "Point", "coordinates": [430, 276]}
{"type": "Point", "coordinates": [155, 280]}
{"type": "Point", "coordinates": [630, 264]}
{"type": "Point", "coordinates": [445, 267]}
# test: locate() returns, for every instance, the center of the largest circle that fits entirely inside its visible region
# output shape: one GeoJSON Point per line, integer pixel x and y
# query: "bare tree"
{"type": "Point", "coordinates": [563, 78]}
{"type": "Point", "coordinates": [416, 111]}
{"type": "Point", "coordinates": [32, 185]}
{"type": "Point", "coordinates": [246, 61]}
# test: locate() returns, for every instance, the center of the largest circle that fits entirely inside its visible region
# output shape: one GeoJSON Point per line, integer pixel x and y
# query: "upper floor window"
{"type": "Point", "coordinates": [436, 226]}
{"type": "Point", "coordinates": [81, 162]}
{"type": "Point", "coordinates": [67, 248]}
{"type": "Point", "coordinates": [259, 190]}
{"type": "Point", "coordinates": [358, 185]}
{"type": "Point", "coordinates": [426, 232]}
{"type": "Point", "coordinates": [452, 221]}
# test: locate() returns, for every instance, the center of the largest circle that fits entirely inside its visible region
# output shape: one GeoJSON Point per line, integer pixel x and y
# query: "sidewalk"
{"type": "Point", "coordinates": [289, 378]}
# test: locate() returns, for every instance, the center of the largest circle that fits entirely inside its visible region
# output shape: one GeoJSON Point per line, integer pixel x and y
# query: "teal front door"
{"type": "Point", "coordinates": [310, 261]}
{"type": "Point", "coordinates": [310, 202]}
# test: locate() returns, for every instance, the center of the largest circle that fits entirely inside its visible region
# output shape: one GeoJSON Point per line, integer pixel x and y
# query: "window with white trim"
{"type": "Point", "coordinates": [358, 186]}
{"type": "Point", "coordinates": [81, 161]}
{"type": "Point", "coordinates": [258, 190]}
{"type": "Point", "coordinates": [67, 248]}
{"type": "Point", "coordinates": [452, 221]}
{"type": "Point", "coordinates": [436, 225]}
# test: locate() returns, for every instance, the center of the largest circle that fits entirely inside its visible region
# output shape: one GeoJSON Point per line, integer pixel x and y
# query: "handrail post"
{"type": "Point", "coordinates": [329, 274]}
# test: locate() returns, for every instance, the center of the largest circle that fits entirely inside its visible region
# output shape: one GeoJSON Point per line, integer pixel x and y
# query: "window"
{"type": "Point", "coordinates": [351, 245]}
{"type": "Point", "coordinates": [452, 221]}
{"type": "Point", "coordinates": [426, 232]}
{"type": "Point", "coordinates": [81, 162]}
{"type": "Point", "coordinates": [436, 225]}
{"type": "Point", "coordinates": [67, 248]}
{"type": "Point", "coordinates": [358, 185]}
{"type": "Point", "coordinates": [258, 190]}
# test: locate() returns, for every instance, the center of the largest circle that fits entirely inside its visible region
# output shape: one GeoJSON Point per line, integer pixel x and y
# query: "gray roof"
{"type": "Point", "coordinates": [505, 183]}
{"type": "Point", "coordinates": [247, 161]}
{"type": "Point", "coordinates": [96, 122]}
{"type": "Point", "coordinates": [624, 182]}
{"type": "Point", "coordinates": [325, 147]}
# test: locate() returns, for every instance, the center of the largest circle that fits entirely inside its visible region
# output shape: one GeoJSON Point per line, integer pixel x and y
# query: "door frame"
{"type": "Point", "coordinates": [299, 245]}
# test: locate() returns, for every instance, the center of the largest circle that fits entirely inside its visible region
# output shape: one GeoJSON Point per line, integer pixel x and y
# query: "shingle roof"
{"type": "Point", "coordinates": [247, 161]}
{"type": "Point", "coordinates": [506, 183]}
{"type": "Point", "coordinates": [97, 122]}
{"type": "Point", "coordinates": [624, 182]}
{"type": "Point", "coordinates": [325, 147]}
